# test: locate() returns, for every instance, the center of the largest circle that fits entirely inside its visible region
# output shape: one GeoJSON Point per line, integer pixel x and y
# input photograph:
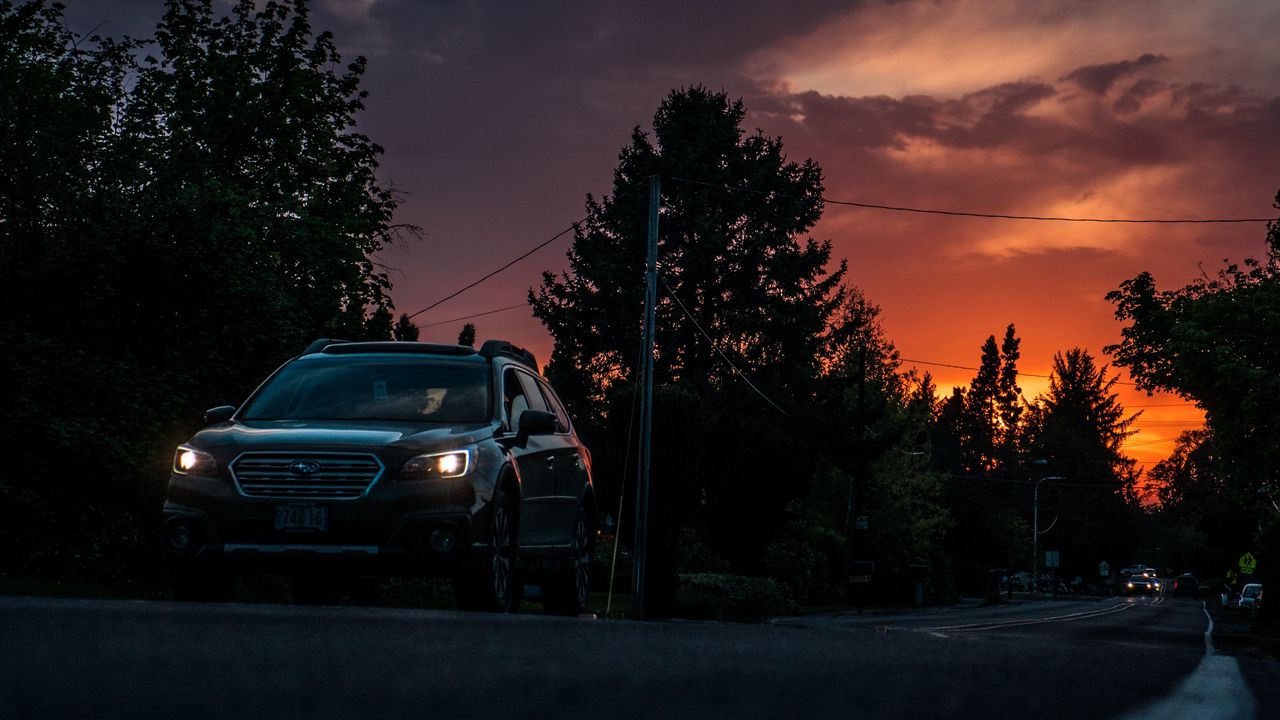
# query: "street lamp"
{"type": "Point", "coordinates": [1035, 527]}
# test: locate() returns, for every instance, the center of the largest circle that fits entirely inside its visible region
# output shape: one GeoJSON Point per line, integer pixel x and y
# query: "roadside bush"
{"type": "Point", "coordinates": [718, 596]}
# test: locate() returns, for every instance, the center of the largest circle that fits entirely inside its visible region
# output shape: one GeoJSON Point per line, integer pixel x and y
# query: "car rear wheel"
{"type": "Point", "coordinates": [567, 592]}
{"type": "Point", "coordinates": [493, 586]}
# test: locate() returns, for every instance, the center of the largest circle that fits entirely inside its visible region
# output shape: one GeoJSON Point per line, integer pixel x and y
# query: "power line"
{"type": "Point", "coordinates": [535, 249]}
{"type": "Point", "coordinates": [993, 216]}
{"type": "Point", "coordinates": [715, 347]}
{"type": "Point", "coordinates": [468, 317]}
{"type": "Point", "coordinates": [965, 367]}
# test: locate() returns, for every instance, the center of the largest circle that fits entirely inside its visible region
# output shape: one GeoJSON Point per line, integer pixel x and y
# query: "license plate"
{"type": "Point", "coordinates": [295, 517]}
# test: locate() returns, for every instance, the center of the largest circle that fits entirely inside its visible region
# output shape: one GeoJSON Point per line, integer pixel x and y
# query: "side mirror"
{"type": "Point", "coordinates": [535, 422]}
{"type": "Point", "coordinates": [220, 414]}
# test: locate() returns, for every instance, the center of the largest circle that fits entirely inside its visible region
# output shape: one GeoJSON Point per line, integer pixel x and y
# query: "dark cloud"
{"type": "Point", "coordinates": [1098, 79]}
{"type": "Point", "coordinates": [1137, 93]}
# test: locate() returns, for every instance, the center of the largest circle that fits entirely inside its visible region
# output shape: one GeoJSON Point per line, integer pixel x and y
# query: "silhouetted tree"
{"type": "Point", "coordinates": [1078, 427]}
{"type": "Point", "coordinates": [468, 335]}
{"type": "Point", "coordinates": [732, 253]}
{"type": "Point", "coordinates": [171, 228]}
{"type": "Point", "coordinates": [405, 329]}
{"type": "Point", "coordinates": [1214, 341]}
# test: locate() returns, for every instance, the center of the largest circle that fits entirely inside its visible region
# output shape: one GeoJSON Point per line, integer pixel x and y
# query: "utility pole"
{"type": "Point", "coordinates": [638, 609]}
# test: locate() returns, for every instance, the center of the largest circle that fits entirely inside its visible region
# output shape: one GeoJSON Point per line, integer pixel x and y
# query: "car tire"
{"type": "Point", "coordinates": [568, 591]}
{"type": "Point", "coordinates": [191, 583]}
{"type": "Point", "coordinates": [494, 585]}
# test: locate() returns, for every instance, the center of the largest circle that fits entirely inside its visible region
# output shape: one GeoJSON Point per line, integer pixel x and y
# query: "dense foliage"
{"type": "Point", "coordinates": [1216, 341]}
{"type": "Point", "coordinates": [177, 216]}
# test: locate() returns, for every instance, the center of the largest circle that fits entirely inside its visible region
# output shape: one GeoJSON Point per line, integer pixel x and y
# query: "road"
{"type": "Point", "coordinates": [1115, 658]}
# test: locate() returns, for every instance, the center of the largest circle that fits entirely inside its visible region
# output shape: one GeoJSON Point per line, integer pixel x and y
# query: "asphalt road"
{"type": "Point", "coordinates": [1115, 658]}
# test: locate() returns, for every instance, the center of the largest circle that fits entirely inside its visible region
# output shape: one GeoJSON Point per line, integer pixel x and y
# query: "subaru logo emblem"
{"type": "Point", "coordinates": [304, 467]}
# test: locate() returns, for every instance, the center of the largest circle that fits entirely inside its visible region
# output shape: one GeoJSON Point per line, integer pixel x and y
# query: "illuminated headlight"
{"type": "Point", "coordinates": [1156, 585]}
{"type": "Point", "coordinates": [452, 464]}
{"type": "Point", "coordinates": [1130, 586]}
{"type": "Point", "coordinates": [190, 461]}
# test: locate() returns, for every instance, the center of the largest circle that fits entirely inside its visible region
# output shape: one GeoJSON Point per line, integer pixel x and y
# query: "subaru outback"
{"type": "Point", "coordinates": [389, 459]}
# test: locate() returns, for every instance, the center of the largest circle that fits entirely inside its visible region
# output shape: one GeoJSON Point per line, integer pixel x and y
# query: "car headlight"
{"type": "Point", "coordinates": [190, 461]}
{"type": "Point", "coordinates": [452, 464]}
{"type": "Point", "coordinates": [1130, 586]}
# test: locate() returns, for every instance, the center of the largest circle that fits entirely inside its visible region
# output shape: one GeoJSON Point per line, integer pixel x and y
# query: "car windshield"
{"type": "Point", "coordinates": [399, 388]}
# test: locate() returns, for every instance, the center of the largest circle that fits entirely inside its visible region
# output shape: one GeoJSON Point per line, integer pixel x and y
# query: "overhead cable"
{"type": "Point", "coordinates": [469, 317]}
{"type": "Point", "coordinates": [535, 249]}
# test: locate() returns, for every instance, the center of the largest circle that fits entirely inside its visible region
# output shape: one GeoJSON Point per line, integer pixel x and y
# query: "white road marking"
{"type": "Point", "coordinates": [973, 627]}
{"type": "Point", "coordinates": [1214, 689]}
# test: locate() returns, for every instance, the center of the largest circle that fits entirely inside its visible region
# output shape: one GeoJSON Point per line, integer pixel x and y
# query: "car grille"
{"type": "Point", "coordinates": [314, 475]}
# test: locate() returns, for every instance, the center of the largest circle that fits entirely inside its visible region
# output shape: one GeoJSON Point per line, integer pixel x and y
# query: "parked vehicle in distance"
{"type": "Point", "coordinates": [1186, 584]}
{"type": "Point", "coordinates": [1141, 584]}
{"type": "Point", "coordinates": [1250, 596]}
{"type": "Point", "coordinates": [360, 459]}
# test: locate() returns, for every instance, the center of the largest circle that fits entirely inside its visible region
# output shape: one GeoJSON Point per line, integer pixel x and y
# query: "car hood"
{"type": "Point", "coordinates": [268, 434]}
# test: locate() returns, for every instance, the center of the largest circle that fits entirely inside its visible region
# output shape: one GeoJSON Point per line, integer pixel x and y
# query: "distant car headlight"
{"type": "Point", "coordinates": [1130, 586]}
{"type": "Point", "coordinates": [452, 464]}
{"type": "Point", "coordinates": [190, 461]}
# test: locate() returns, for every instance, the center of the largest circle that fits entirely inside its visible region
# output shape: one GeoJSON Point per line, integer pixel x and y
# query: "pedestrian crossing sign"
{"type": "Point", "coordinates": [1248, 563]}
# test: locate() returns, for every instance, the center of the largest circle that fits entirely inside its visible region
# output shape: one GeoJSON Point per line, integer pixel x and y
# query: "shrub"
{"type": "Point", "coordinates": [718, 596]}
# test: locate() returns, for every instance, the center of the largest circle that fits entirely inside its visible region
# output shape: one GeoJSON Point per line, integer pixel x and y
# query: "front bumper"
{"type": "Point", "coordinates": [412, 528]}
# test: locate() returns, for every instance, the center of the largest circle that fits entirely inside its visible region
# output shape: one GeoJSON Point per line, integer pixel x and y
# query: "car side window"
{"type": "Point", "coordinates": [562, 415]}
{"type": "Point", "coordinates": [514, 400]}
{"type": "Point", "coordinates": [520, 393]}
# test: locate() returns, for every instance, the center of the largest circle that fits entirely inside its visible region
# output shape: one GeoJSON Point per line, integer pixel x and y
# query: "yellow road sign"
{"type": "Point", "coordinates": [1248, 563]}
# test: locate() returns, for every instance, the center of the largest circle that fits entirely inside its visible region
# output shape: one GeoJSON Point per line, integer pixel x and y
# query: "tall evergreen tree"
{"type": "Point", "coordinates": [1078, 427]}
{"type": "Point", "coordinates": [734, 210]}
{"type": "Point", "coordinates": [735, 264]}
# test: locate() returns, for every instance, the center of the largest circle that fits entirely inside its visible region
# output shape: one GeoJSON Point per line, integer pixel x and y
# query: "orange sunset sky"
{"type": "Point", "coordinates": [498, 118]}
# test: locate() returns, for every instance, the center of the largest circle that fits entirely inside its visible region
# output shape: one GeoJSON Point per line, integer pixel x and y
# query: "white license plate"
{"type": "Point", "coordinates": [298, 517]}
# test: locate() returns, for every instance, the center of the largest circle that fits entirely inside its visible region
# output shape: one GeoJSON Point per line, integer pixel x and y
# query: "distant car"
{"type": "Point", "coordinates": [1250, 596]}
{"type": "Point", "coordinates": [1141, 584]}
{"type": "Point", "coordinates": [1186, 584]}
{"type": "Point", "coordinates": [1150, 573]}
{"type": "Point", "coordinates": [1135, 569]}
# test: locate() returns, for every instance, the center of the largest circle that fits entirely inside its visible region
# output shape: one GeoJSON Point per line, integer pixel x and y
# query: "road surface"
{"type": "Point", "coordinates": [1115, 658]}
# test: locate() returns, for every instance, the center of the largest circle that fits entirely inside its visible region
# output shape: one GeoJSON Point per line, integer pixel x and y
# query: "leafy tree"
{"type": "Point", "coordinates": [1194, 494]}
{"type": "Point", "coordinates": [1214, 341]}
{"type": "Point", "coordinates": [172, 227]}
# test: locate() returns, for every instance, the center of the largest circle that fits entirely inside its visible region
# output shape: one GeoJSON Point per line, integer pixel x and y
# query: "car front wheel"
{"type": "Point", "coordinates": [493, 587]}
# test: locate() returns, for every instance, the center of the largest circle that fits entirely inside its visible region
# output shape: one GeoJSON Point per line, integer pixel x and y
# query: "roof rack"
{"type": "Point", "coordinates": [343, 347]}
{"type": "Point", "coordinates": [494, 348]}
{"type": "Point", "coordinates": [321, 344]}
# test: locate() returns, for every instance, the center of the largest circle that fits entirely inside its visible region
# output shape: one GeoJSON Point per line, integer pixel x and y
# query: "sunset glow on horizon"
{"type": "Point", "coordinates": [498, 120]}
